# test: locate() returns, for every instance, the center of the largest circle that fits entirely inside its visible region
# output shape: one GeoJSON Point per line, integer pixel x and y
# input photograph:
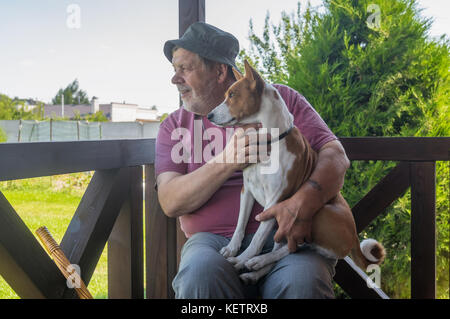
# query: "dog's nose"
{"type": "Point", "coordinates": [210, 116]}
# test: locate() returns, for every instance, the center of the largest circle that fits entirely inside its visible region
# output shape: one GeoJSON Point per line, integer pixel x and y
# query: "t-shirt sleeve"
{"type": "Point", "coordinates": [307, 120]}
{"type": "Point", "coordinates": [164, 146]}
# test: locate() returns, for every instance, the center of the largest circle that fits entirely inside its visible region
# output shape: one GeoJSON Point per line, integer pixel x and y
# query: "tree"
{"type": "Point", "coordinates": [14, 110]}
{"type": "Point", "coordinates": [72, 95]}
{"type": "Point", "coordinates": [163, 117]}
{"type": "Point", "coordinates": [96, 117]}
{"type": "Point", "coordinates": [369, 79]}
{"type": "Point", "coordinates": [3, 137]}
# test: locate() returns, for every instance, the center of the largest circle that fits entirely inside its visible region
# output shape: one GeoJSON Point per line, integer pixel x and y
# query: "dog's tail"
{"type": "Point", "coordinates": [369, 252]}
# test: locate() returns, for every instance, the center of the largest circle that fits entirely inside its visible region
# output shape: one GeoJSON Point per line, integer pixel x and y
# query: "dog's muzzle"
{"type": "Point", "coordinates": [220, 115]}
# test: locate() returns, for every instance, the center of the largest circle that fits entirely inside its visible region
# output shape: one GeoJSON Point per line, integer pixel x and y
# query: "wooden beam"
{"type": "Point", "coordinates": [126, 245]}
{"type": "Point", "coordinates": [397, 148]}
{"type": "Point", "coordinates": [189, 11]}
{"type": "Point", "coordinates": [381, 196]}
{"type": "Point", "coordinates": [88, 232]}
{"type": "Point", "coordinates": [423, 230]}
{"type": "Point", "coordinates": [160, 241]}
{"type": "Point", "coordinates": [24, 264]}
{"type": "Point", "coordinates": [26, 160]}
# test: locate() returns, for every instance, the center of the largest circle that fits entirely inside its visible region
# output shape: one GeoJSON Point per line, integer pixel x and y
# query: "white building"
{"type": "Point", "coordinates": [124, 112]}
{"type": "Point", "coordinates": [115, 112]}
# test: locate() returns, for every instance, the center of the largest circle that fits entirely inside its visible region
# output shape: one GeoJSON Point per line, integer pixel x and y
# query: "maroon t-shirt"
{"type": "Point", "coordinates": [176, 151]}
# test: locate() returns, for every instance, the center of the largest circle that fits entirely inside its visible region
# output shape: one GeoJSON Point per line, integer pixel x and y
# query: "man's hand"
{"type": "Point", "coordinates": [244, 149]}
{"type": "Point", "coordinates": [292, 225]}
{"type": "Point", "coordinates": [294, 215]}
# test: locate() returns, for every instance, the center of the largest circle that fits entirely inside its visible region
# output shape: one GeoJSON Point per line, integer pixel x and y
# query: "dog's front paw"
{"type": "Point", "coordinates": [249, 278]}
{"type": "Point", "coordinates": [229, 250]}
{"type": "Point", "coordinates": [256, 263]}
{"type": "Point", "coordinates": [237, 262]}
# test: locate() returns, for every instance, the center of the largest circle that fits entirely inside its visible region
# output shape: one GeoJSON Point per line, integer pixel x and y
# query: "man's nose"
{"type": "Point", "coordinates": [176, 79]}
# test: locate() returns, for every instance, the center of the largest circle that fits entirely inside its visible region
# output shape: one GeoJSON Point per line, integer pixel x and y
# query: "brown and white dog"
{"type": "Point", "coordinates": [251, 100]}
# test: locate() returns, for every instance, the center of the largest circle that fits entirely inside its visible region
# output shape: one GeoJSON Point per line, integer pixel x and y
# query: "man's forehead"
{"type": "Point", "coordinates": [184, 57]}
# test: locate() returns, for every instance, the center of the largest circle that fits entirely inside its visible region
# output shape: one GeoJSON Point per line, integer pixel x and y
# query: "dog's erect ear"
{"type": "Point", "coordinates": [237, 74]}
{"type": "Point", "coordinates": [248, 71]}
{"type": "Point", "coordinates": [253, 75]}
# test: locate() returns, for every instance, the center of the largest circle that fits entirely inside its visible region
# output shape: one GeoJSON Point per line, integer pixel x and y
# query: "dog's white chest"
{"type": "Point", "coordinates": [267, 187]}
{"type": "Point", "coordinates": [253, 182]}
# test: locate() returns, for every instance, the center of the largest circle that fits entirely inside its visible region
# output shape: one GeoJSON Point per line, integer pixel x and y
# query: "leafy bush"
{"type": "Point", "coordinates": [12, 110]}
{"type": "Point", "coordinates": [3, 137]}
{"type": "Point", "coordinates": [389, 79]}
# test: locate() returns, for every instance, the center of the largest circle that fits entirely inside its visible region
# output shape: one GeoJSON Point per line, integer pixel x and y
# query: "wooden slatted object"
{"type": "Point", "coordinates": [62, 262]}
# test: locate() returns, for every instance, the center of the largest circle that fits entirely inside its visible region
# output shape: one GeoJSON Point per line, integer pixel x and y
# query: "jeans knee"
{"type": "Point", "coordinates": [301, 277]}
{"type": "Point", "coordinates": [207, 280]}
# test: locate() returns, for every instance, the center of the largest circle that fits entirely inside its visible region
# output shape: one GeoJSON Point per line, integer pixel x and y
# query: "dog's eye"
{"type": "Point", "coordinates": [230, 95]}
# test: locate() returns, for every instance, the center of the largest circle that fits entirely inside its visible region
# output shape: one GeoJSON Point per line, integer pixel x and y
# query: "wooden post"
{"type": "Point", "coordinates": [20, 130]}
{"type": "Point", "coordinates": [423, 230]}
{"type": "Point", "coordinates": [126, 245]}
{"type": "Point", "coordinates": [190, 11]}
{"type": "Point", "coordinates": [160, 242]}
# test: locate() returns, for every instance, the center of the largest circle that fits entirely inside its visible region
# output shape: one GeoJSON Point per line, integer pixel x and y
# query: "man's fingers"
{"type": "Point", "coordinates": [267, 214]}
{"type": "Point", "coordinates": [279, 236]}
{"type": "Point", "coordinates": [292, 244]}
{"type": "Point", "coordinates": [253, 138]}
{"type": "Point", "coordinates": [251, 125]}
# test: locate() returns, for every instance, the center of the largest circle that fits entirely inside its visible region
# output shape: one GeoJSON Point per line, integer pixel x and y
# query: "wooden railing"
{"type": "Point", "coordinates": [112, 211]}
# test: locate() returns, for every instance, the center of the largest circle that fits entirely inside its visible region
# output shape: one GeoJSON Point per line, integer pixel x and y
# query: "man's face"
{"type": "Point", "coordinates": [195, 82]}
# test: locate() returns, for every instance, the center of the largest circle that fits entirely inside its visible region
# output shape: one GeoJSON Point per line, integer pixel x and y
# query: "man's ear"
{"type": "Point", "coordinates": [222, 72]}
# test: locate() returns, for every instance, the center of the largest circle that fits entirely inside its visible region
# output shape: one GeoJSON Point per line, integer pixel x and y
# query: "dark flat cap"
{"type": "Point", "coordinates": [208, 42]}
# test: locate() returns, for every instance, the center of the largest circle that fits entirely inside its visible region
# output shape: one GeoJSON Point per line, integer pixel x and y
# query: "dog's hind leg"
{"type": "Point", "coordinates": [245, 210]}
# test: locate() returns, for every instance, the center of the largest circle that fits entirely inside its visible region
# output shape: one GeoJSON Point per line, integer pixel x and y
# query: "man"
{"type": "Point", "coordinates": [205, 194]}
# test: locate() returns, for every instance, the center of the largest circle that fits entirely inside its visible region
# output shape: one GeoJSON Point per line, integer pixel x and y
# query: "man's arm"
{"type": "Point", "coordinates": [325, 181]}
{"type": "Point", "coordinates": [181, 194]}
{"type": "Point", "coordinates": [294, 215]}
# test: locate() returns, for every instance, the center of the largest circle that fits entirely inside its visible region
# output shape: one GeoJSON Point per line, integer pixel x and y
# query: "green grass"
{"type": "Point", "coordinates": [51, 202]}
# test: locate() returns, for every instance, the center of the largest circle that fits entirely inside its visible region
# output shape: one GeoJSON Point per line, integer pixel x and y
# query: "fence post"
{"type": "Point", "coordinates": [20, 130]}
{"type": "Point", "coordinates": [126, 244]}
{"type": "Point", "coordinates": [423, 230]}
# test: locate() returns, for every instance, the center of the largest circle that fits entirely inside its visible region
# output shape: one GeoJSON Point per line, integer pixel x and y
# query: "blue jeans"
{"type": "Point", "coordinates": [205, 273]}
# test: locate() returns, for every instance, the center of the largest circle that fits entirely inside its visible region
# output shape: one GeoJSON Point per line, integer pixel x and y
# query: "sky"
{"type": "Point", "coordinates": [115, 47]}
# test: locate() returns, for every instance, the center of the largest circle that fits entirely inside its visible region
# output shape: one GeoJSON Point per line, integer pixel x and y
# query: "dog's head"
{"type": "Point", "coordinates": [242, 100]}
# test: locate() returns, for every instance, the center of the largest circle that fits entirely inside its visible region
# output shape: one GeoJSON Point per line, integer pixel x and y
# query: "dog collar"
{"type": "Point", "coordinates": [280, 137]}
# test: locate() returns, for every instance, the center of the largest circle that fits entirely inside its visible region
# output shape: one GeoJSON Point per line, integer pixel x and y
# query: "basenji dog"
{"type": "Point", "coordinates": [251, 100]}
